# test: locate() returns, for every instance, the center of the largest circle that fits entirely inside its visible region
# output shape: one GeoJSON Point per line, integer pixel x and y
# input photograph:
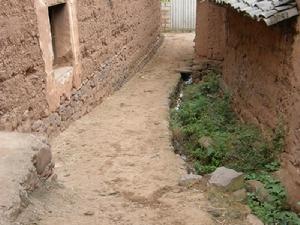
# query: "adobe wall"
{"type": "Point", "coordinates": [114, 39]}
{"type": "Point", "coordinates": [261, 69]}
{"type": "Point", "coordinates": [210, 32]}
{"type": "Point", "coordinates": [258, 70]}
{"type": "Point", "coordinates": [22, 76]}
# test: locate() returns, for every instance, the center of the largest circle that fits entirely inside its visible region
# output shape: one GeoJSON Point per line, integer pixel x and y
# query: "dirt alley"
{"type": "Point", "coordinates": [116, 165]}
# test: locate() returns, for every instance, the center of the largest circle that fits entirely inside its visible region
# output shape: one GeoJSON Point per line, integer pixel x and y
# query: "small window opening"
{"type": "Point", "coordinates": [61, 37]}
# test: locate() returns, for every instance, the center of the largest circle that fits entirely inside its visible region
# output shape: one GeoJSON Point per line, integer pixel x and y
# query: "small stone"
{"type": "Point", "coordinates": [240, 195]}
{"type": "Point", "coordinates": [205, 142]}
{"type": "Point", "coordinates": [258, 189]}
{"type": "Point", "coordinates": [234, 214]}
{"type": "Point", "coordinates": [254, 185]}
{"type": "Point", "coordinates": [89, 213]}
{"type": "Point", "coordinates": [227, 179]}
{"type": "Point", "coordinates": [253, 220]}
{"type": "Point", "coordinates": [215, 212]}
{"type": "Point", "coordinates": [183, 157]}
{"type": "Point", "coordinates": [42, 158]}
{"type": "Point", "coordinates": [189, 180]}
{"type": "Point", "coordinates": [37, 126]}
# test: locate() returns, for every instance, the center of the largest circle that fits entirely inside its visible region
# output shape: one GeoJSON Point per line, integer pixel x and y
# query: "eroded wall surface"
{"type": "Point", "coordinates": [115, 39]}
{"type": "Point", "coordinates": [257, 67]}
{"type": "Point", "coordinates": [210, 31]}
{"type": "Point", "coordinates": [261, 69]}
{"type": "Point", "coordinates": [258, 70]}
{"type": "Point", "coordinates": [22, 77]}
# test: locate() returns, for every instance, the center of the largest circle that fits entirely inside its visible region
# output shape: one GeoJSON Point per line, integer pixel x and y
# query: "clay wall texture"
{"type": "Point", "coordinates": [22, 80]}
{"type": "Point", "coordinates": [210, 31]}
{"type": "Point", "coordinates": [261, 70]}
{"type": "Point", "coordinates": [115, 39]}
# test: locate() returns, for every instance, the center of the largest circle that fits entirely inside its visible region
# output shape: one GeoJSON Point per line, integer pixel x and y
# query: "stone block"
{"type": "Point", "coordinates": [227, 179]}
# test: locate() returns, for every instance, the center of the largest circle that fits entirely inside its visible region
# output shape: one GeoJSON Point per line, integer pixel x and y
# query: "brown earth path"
{"type": "Point", "coordinates": [116, 165]}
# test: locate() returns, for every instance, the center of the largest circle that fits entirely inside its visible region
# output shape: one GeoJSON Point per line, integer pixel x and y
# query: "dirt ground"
{"type": "Point", "coordinates": [116, 165]}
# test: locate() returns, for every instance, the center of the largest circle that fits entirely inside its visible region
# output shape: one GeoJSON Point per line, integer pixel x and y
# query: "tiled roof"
{"type": "Point", "coordinates": [269, 11]}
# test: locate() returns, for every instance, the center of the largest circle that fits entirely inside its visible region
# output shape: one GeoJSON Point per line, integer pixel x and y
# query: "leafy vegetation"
{"type": "Point", "coordinates": [206, 112]}
{"type": "Point", "coordinates": [208, 130]}
{"type": "Point", "coordinates": [275, 209]}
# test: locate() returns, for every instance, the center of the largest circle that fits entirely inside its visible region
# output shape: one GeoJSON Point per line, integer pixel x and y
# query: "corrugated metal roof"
{"type": "Point", "coordinates": [269, 11]}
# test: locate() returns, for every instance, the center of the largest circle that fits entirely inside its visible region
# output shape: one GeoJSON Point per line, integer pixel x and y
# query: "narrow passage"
{"type": "Point", "coordinates": [116, 165]}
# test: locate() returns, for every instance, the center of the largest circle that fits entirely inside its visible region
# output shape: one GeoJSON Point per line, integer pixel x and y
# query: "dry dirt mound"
{"type": "Point", "coordinates": [25, 164]}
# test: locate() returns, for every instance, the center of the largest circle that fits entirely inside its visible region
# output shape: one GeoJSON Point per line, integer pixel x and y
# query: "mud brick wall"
{"type": "Point", "coordinates": [258, 70]}
{"type": "Point", "coordinates": [116, 37]}
{"type": "Point", "coordinates": [22, 77]}
{"type": "Point", "coordinates": [210, 31]}
{"type": "Point", "coordinates": [261, 69]}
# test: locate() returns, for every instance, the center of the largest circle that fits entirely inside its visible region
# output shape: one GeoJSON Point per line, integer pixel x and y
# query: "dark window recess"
{"type": "Point", "coordinates": [61, 38]}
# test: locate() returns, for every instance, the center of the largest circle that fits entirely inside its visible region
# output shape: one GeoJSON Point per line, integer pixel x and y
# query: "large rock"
{"type": "Point", "coordinates": [227, 179]}
{"type": "Point", "coordinates": [25, 162]}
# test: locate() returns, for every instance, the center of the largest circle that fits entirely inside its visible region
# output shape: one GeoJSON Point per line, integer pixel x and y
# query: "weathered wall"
{"type": "Point", "coordinates": [115, 38]}
{"type": "Point", "coordinates": [258, 70]}
{"type": "Point", "coordinates": [210, 31]}
{"type": "Point", "coordinates": [261, 69]}
{"type": "Point", "coordinates": [257, 67]}
{"type": "Point", "coordinates": [22, 77]}
{"type": "Point", "coordinates": [291, 158]}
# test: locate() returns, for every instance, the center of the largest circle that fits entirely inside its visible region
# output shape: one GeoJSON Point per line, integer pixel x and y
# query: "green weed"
{"type": "Point", "coordinates": [206, 113]}
{"type": "Point", "coordinates": [275, 210]}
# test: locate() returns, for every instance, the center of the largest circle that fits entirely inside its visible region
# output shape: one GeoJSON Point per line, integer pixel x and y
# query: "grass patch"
{"type": "Point", "coordinates": [208, 130]}
{"type": "Point", "coordinates": [206, 112]}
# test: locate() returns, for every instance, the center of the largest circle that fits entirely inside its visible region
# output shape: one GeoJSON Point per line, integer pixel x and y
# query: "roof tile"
{"type": "Point", "coordinates": [270, 11]}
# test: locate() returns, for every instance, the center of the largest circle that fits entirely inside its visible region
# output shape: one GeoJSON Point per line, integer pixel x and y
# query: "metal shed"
{"type": "Point", "coordinates": [179, 15]}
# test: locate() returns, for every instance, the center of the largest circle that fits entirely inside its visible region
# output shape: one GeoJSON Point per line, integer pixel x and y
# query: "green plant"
{"type": "Point", "coordinates": [206, 113]}
{"type": "Point", "coordinates": [278, 138]}
{"type": "Point", "coordinates": [272, 167]}
{"type": "Point", "coordinates": [274, 210]}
